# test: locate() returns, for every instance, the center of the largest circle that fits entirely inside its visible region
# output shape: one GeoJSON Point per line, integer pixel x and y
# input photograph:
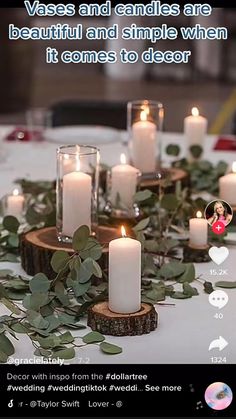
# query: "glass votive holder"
{"type": "Point", "coordinates": [122, 184]}
{"type": "Point", "coordinates": [77, 189]}
{"type": "Point", "coordinates": [14, 204]}
{"type": "Point", "coordinates": [37, 121]}
{"type": "Point", "coordinates": [145, 124]}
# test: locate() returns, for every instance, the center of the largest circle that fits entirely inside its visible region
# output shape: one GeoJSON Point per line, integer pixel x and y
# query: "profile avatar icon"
{"type": "Point", "coordinates": [218, 212]}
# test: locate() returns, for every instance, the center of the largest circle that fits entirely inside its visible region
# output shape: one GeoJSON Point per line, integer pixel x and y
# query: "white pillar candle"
{"type": "Point", "coordinates": [144, 136]}
{"type": "Point", "coordinates": [124, 275]}
{"type": "Point", "coordinates": [198, 231]}
{"type": "Point", "coordinates": [15, 204]}
{"type": "Point", "coordinates": [227, 186]}
{"type": "Point", "coordinates": [77, 195]}
{"type": "Point", "coordinates": [195, 128]}
{"type": "Point", "coordinates": [123, 182]}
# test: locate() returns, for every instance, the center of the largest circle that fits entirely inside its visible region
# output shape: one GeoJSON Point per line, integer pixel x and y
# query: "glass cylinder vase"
{"type": "Point", "coordinates": [77, 189]}
{"type": "Point", "coordinates": [145, 124]}
{"type": "Point", "coordinates": [122, 184]}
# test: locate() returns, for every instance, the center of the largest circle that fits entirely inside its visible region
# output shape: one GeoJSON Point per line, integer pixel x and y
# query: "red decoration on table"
{"type": "Point", "coordinates": [22, 134]}
{"type": "Point", "coordinates": [226, 143]}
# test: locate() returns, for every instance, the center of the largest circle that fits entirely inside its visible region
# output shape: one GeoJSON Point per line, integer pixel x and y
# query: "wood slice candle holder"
{"type": "Point", "coordinates": [151, 182]}
{"type": "Point", "coordinates": [193, 254]}
{"type": "Point", "coordinates": [37, 248]}
{"type": "Point", "coordinates": [102, 320]}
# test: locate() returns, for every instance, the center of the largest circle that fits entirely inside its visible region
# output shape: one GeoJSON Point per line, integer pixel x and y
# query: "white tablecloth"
{"type": "Point", "coordinates": [186, 330]}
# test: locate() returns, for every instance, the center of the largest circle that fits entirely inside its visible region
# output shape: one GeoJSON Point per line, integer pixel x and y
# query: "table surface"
{"type": "Point", "coordinates": [185, 330]}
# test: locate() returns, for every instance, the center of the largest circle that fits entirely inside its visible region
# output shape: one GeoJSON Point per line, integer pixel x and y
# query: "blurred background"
{"type": "Point", "coordinates": [207, 81]}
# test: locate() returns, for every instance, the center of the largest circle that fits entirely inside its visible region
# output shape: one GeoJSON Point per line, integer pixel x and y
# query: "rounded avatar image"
{"type": "Point", "coordinates": [218, 396]}
{"type": "Point", "coordinates": [218, 211]}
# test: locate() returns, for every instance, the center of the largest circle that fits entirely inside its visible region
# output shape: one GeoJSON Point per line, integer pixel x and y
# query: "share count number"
{"type": "Point", "coordinates": [218, 360]}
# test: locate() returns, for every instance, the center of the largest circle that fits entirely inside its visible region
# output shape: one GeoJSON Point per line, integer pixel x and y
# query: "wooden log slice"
{"type": "Point", "coordinates": [37, 248]}
{"type": "Point", "coordinates": [193, 254]}
{"type": "Point", "coordinates": [150, 181]}
{"type": "Point", "coordinates": [101, 319]}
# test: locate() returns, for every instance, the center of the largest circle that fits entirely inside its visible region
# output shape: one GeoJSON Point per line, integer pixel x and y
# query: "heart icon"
{"type": "Point", "coordinates": [218, 254]}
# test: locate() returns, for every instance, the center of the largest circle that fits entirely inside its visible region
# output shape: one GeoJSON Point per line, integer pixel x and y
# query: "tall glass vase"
{"type": "Point", "coordinates": [77, 189]}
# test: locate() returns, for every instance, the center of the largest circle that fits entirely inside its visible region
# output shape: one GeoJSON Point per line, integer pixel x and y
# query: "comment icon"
{"type": "Point", "coordinates": [218, 299]}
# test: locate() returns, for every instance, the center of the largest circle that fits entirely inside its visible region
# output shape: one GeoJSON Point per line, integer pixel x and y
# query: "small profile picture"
{"type": "Point", "coordinates": [218, 396]}
{"type": "Point", "coordinates": [218, 211]}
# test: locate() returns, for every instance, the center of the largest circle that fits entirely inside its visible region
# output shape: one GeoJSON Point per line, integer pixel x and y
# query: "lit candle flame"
{"type": "Point", "coordinates": [145, 107]}
{"type": "Point", "coordinates": [195, 111]}
{"type": "Point", "coordinates": [234, 167]}
{"type": "Point", "coordinates": [123, 232]}
{"type": "Point", "coordinates": [123, 158]}
{"type": "Point", "coordinates": [77, 163]}
{"type": "Point", "coordinates": [143, 116]}
{"type": "Point", "coordinates": [15, 192]}
{"type": "Point", "coordinates": [199, 214]}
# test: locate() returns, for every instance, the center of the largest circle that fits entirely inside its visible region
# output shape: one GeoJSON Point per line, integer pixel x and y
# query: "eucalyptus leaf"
{"type": "Point", "coordinates": [35, 301]}
{"type": "Point", "coordinates": [81, 289]}
{"type": "Point", "coordinates": [15, 295]}
{"type": "Point", "coordinates": [179, 295]}
{"type": "Point", "coordinates": [59, 260]}
{"type": "Point", "coordinates": [93, 337]}
{"type": "Point", "coordinates": [92, 250]}
{"type": "Point", "coordinates": [20, 328]}
{"type": "Point", "coordinates": [140, 236]}
{"type": "Point", "coordinates": [3, 292]}
{"type": "Point", "coordinates": [9, 257]}
{"type": "Point", "coordinates": [42, 352]}
{"type": "Point", "coordinates": [13, 240]}
{"type": "Point", "coordinates": [39, 283]}
{"type": "Point", "coordinates": [54, 323]}
{"type": "Point", "coordinates": [196, 151]}
{"type": "Point", "coordinates": [32, 216]}
{"type": "Point", "coordinates": [40, 332]}
{"type": "Point", "coordinates": [16, 284]}
{"type": "Point", "coordinates": [189, 273]}
{"type": "Point", "coordinates": [226, 284]}
{"type": "Point", "coordinates": [172, 270]}
{"type": "Point", "coordinates": [143, 195]}
{"type": "Point", "coordinates": [97, 270]}
{"type": "Point", "coordinates": [5, 272]}
{"type": "Point", "coordinates": [36, 320]}
{"type": "Point", "coordinates": [66, 318]}
{"type": "Point", "coordinates": [3, 357]}
{"type": "Point", "coordinates": [61, 294]}
{"type": "Point", "coordinates": [169, 202]}
{"type": "Point", "coordinates": [67, 353]}
{"type": "Point", "coordinates": [12, 307]}
{"type": "Point", "coordinates": [173, 150]}
{"type": "Point", "coordinates": [80, 238]}
{"type": "Point", "coordinates": [142, 225]}
{"type": "Point", "coordinates": [86, 270]}
{"type": "Point", "coordinates": [46, 310]}
{"type": "Point", "coordinates": [49, 342]}
{"type": "Point", "coordinates": [156, 294]}
{"type": "Point", "coordinates": [110, 349]}
{"type": "Point", "coordinates": [11, 223]}
{"type": "Point", "coordinates": [6, 345]}
{"type": "Point", "coordinates": [189, 290]}
{"type": "Point", "coordinates": [66, 338]}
